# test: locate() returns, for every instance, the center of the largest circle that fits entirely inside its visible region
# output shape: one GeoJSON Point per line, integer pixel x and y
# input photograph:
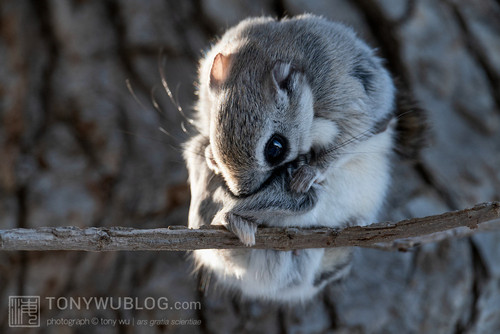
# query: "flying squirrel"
{"type": "Point", "coordinates": [297, 122]}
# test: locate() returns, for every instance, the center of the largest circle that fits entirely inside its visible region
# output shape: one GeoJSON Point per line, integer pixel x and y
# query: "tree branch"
{"type": "Point", "coordinates": [389, 236]}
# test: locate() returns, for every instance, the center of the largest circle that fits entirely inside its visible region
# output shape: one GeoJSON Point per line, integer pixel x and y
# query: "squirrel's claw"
{"type": "Point", "coordinates": [303, 178]}
{"type": "Point", "coordinates": [244, 229]}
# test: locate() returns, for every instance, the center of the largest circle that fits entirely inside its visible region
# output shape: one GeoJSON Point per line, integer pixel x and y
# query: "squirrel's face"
{"type": "Point", "coordinates": [260, 121]}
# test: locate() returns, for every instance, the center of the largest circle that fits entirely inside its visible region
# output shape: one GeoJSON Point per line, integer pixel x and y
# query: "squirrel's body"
{"type": "Point", "coordinates": [285, 276]}
{"type": "Point", "coordinates": [295, 124]}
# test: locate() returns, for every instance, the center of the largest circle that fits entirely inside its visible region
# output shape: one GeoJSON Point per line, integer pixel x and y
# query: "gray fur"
{"type": "Point", "coordinates": [315, 83]}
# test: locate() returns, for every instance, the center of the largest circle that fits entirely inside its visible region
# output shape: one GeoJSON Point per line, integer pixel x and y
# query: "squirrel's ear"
{"type": "Point", "coordinates": [281, 74]}
{"type": "Point", "coordinates": [220, 70]}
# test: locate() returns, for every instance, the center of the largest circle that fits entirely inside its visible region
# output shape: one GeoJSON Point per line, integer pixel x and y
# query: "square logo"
{"type": "Point", "coordinates": [24, 311]}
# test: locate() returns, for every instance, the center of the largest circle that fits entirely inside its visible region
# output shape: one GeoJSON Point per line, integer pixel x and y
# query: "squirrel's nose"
{"type": "Point", "coordinates": [245, 184]}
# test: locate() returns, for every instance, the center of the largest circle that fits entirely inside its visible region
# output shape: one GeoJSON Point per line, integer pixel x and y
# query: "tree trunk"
{"type": "Point", "coordinates": [80, 145]}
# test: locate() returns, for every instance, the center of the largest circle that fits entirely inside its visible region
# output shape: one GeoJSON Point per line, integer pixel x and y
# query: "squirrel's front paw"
{"type": "Point", "coordinates": [244, 228]}
{"type": "Point", "coordinates": [303, 178]}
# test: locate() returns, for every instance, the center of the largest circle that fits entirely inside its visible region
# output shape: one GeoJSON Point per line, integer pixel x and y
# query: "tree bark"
{"type": "Point", "coordinates": [388, 236]}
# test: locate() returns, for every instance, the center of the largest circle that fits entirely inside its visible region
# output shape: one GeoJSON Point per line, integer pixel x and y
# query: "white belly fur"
{"type": "Point", "coordinates": [354, 188]}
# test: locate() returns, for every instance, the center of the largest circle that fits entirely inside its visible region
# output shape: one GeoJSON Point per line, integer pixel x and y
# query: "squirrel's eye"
{"type": "Point", "coordinates": [276, 149]}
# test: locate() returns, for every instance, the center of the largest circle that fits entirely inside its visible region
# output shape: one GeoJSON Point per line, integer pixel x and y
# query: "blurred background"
{"type": "Point", "coordinates": [78, 147]}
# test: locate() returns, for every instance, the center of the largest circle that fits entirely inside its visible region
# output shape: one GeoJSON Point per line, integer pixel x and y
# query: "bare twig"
{"type": "Point", "coordinates": [389, 236]}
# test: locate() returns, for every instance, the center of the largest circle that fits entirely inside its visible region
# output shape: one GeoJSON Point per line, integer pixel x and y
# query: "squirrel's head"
{"type": "Point", "coordinates": [260, 118]}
